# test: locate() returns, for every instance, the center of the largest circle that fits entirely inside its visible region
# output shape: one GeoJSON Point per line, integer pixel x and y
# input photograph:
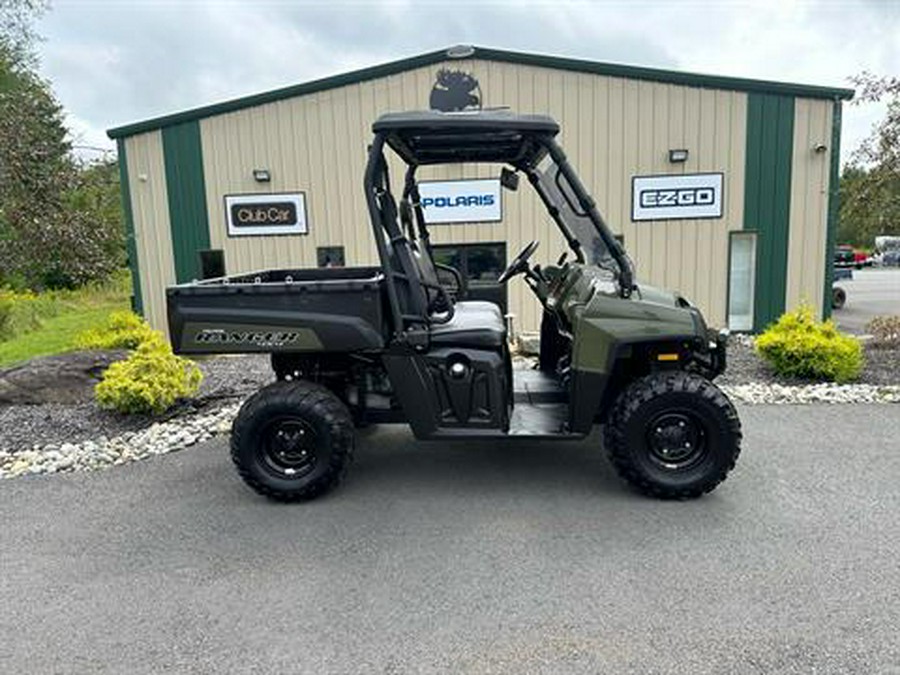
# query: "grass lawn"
{"type": "Point", "coordinates": [72, 313]}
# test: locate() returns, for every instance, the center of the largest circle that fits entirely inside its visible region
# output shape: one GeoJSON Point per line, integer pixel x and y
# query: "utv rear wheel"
{"type": "Point", "coordinates": [292, 441]}
{"type": "Point", "coordinates": [673, 435]}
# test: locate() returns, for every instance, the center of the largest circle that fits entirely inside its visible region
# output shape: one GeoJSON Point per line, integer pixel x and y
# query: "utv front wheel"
{"type": "Point", "coordinates": [292, 441]}
{"type": "Point", "coordinates": [673, 435]}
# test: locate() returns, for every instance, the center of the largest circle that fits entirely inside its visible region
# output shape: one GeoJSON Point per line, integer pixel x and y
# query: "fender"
{"type": "Point", "coordinates": [609, 332]}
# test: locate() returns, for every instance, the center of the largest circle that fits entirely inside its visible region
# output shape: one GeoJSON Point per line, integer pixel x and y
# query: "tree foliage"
{"type": "Point", "coordinates": [17, 36]}
{"type": "Point", "coordinates": [869, 206]}
{"type": "Point", "coordinates": [58, 225]}
{"type": "Point", "coordinates": [870, 185]}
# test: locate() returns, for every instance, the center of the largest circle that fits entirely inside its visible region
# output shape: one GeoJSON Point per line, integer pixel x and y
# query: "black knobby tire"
{"type": "Point", "coordinates": [838, 297]}
{"type": "Point", "coordinates": [292, 441]}
{"type": "Point", "coordinates": [673, 435]}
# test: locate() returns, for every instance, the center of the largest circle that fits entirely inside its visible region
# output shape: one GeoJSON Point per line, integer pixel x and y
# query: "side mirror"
{"type": "Point", "coordinates": [509, 179]}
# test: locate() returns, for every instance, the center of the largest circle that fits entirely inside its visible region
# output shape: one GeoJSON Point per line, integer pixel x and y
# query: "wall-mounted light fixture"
{"type": "Point", "coordinates": [819, 148]}
{"type": "Point", "coordinates": [678, 155]}
{"type": "Point", "coordinates": [262, 175]}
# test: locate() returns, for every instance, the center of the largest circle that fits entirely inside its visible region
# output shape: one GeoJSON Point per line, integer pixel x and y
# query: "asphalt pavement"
{"type": "Point", "coordinates": [435, 557]}
{"type": "Point", "coordinates": [871, 292]}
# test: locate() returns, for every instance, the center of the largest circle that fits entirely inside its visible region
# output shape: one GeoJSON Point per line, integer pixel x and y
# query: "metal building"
{"type": "Point", "coordinates": [722, 188]}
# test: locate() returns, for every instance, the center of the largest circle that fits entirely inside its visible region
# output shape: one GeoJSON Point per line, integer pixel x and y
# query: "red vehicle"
{"type": "Point", "coordinates": [847, 256]}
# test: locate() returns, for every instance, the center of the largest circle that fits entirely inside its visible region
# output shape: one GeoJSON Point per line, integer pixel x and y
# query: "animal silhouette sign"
{"type": "Point", "coordinates": [455, 90]}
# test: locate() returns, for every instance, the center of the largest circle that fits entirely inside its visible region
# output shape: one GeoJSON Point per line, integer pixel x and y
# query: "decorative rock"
{"type": "Point", "coordinates": [63, 378]}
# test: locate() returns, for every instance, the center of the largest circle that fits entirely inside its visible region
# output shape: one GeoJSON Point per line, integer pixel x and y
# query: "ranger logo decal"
{"type": "Point", "coordinates": [219, 336]}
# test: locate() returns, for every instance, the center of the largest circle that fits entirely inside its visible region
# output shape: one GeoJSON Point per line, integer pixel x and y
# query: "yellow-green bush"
{"type": "Point", "coordinates": [150, 380]}
{"type": "Point", "coordinates": [122, 330]}
{"type": "Point", "coordinates": [799, 346]}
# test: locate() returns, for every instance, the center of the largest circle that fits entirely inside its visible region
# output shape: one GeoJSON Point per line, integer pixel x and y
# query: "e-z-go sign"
{"type": "Point", "coordinates": [678, 196]}
{"type": "Point", "coordinates": [266, 214]}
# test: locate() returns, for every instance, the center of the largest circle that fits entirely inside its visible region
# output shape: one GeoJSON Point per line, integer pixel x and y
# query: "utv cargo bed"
{"type": "Point", "coordinates": [303, 310]}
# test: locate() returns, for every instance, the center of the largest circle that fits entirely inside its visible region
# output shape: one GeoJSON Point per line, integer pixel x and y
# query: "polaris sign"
{"type": "Point", "coordinates": [676, 197]}
{"type": "Point", "coordinates": [461, 201]}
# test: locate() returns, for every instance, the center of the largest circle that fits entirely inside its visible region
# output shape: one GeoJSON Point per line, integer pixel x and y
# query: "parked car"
{"type": "Point", "coordinates": [891, 258]}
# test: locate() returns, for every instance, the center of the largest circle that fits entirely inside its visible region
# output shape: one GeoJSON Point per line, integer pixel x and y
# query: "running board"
{"type": "Point", "coordinates": [535, 387]}
{"type": "Point", "coordinates": [540, 421]}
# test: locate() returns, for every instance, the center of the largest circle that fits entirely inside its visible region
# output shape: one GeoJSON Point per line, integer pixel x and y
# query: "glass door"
{"type": "Point", "coordinates": [741, 280]}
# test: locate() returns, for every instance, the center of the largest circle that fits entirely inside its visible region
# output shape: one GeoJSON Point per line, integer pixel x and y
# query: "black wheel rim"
{"type": "Point", "coordinates": [676, 440]}
{"type": "Point", "coordinates": [288, 447]}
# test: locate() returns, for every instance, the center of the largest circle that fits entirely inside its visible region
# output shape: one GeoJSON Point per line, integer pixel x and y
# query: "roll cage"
{"type": "Point", "coordinates": [428, 138]}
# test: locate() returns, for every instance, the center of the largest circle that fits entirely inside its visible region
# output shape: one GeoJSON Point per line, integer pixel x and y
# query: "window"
{"type": "Point", "coordinates": [480, 265]}
{"type": "Point", "coordinates": [741, 280]}
{"type": "Point", "coordinates": [330, 256]}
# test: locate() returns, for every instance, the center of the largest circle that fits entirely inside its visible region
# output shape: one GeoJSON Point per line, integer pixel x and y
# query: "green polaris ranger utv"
{"type": "Point", "coordinates": [399, 343]}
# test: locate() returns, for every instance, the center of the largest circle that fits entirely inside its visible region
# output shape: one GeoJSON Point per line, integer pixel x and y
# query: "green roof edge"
{"type": "Point", "coordinates": [487, 54]}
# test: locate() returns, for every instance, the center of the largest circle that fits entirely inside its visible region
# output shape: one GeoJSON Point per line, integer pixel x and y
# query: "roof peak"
{"type": "Point", "coordinates": [462, 52]}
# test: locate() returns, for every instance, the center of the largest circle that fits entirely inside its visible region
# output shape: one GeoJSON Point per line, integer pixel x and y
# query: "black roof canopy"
{"type": "Point", "coordinates": [430, 137]}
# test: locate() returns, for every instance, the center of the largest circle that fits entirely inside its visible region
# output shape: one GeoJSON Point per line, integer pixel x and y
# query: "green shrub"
{"type": "Point", "coordinates": [799, 346]}
{"type": "Point", "coordinates": [122, 330]}
{"type": "Point", "coordinates": [885, 331]}
{"type": "Point", "coordinates": [148, 381]}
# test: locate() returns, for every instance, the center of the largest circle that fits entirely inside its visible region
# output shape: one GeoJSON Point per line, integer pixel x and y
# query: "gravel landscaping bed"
{"type": "Point", "coordinates": [225, 380]}
{"type": "Point", "coordinates": [64, 438]}
{"type": "Point", "coordinates": [745, 367]}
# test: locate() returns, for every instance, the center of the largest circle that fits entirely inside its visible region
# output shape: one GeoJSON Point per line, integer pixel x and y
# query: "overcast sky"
{"type": "Point", "coordinates": [118, 61]}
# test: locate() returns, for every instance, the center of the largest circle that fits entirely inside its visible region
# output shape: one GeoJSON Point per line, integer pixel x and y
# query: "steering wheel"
{"type": "Point", "coordinates": [520, 264]}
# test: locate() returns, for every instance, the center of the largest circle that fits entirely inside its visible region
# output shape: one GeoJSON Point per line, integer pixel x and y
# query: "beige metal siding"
{"type": "Point", "coordinates": [809, 204]}
{"type": "Point", "coordinates": [613, 129]}
{"type": "Point", "coordinates": [150, 209]}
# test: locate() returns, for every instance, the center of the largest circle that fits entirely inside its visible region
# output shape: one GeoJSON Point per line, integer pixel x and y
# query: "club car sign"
{"type": "Point", "coordinates": [671, 197]}
{"type": "Point", "coordinates": [461, 201]}
{"type": "Point", "coordinates": [266, 214]}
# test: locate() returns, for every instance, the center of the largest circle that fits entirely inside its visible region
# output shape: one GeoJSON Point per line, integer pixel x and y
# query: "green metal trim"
{"type": "Point", "coordinates": [834, 205]}
{"type": "Point", "coordinates": [186, 188]}
{"type": "Point", "coordinates": [767, 198]}
{"type": "Point", "coordinates": [137, 299]}
{"type": "Point", "coordinates": [497, 55]}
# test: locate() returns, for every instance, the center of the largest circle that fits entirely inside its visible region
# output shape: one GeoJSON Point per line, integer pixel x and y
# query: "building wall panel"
{"type": "Point", "coordinates": [809, 204]}
{"type": "Point", "coordinates": [150, 212]}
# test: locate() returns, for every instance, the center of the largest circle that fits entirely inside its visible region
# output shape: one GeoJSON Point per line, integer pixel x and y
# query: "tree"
{"type": "Point", "coordinates": [56, 228]}
{"type": "Point", "coordinates": [17, 36]}
{"type": "Point", "coordinates": [869, 206]}
{"type": "Point", "coordinates": [870, 185]}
